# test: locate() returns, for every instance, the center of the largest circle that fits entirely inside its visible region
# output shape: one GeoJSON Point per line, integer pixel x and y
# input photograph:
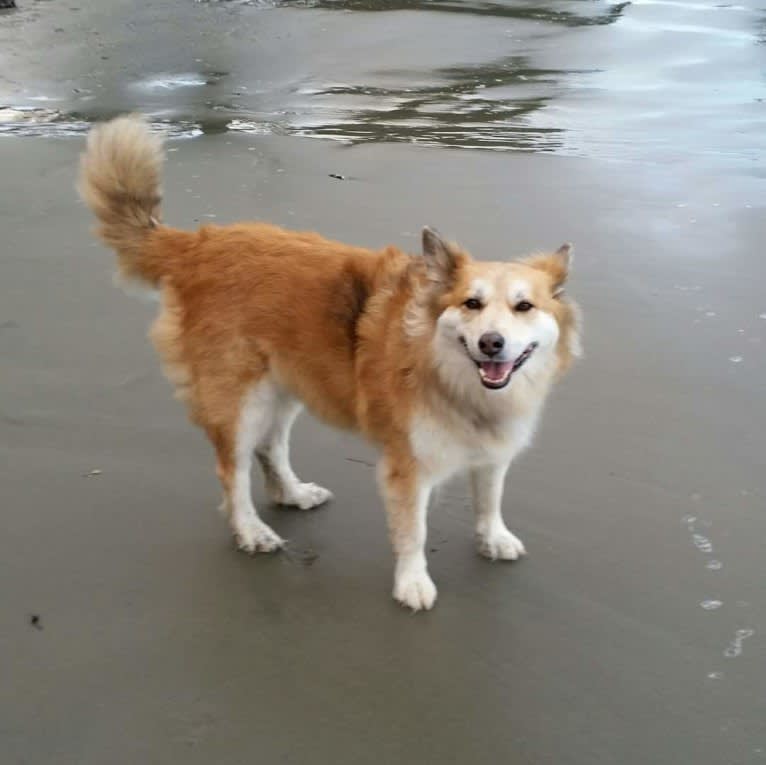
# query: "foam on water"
{"type": "Point", "coordinates": [27, 121]}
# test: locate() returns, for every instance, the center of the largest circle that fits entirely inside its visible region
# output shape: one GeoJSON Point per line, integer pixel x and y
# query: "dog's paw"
{"type": "Point", "coordinates": [415, 591]}
{"type": "Point", "coordinates": [256, 536]}
{"type": "Point", "coordinates": [501, 545]}
{"type": "Point", "coordinates": [305, 496]}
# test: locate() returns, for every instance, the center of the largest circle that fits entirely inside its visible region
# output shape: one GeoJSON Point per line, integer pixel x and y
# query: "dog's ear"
{"type": "Point", "coordinates": [441, 258]}
{"type": "Point", "coordinates": [556, 265]}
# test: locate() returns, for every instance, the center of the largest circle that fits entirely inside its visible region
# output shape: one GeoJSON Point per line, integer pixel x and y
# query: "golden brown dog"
{"type": "Point", "coordinates": [442, 361]}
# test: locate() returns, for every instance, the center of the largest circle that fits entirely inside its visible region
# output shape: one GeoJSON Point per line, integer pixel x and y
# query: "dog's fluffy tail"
{"type": "Point", "coordinates": [120, 182]}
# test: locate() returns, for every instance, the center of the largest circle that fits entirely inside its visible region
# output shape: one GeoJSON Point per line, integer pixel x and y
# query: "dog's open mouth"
{"type": "Point", "coordinates": [497, 374]}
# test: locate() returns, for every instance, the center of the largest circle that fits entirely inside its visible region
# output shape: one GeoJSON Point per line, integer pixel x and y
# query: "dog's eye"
{"type": "Point", "coordinates": [473, 304]}
{"type": "Point", "coordinates": [523, 306]}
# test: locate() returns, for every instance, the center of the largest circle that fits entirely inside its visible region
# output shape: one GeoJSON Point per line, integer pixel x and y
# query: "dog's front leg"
{"type": "Point", "coordinates": [406, 490]}
{"type": "Point", "coordinates": [494, 539]}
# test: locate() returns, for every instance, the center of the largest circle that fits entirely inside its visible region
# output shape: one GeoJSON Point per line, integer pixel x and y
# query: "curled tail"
{"type": "Point", "coordinates": [120, 182]}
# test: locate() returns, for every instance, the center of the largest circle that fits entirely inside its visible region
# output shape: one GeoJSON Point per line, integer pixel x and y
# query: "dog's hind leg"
{"type": "Point", "coordinates": [494, 539]}
{"type": "Point", "coordinates": [234, 442]}
{"type": "Point", "coordinates": [273, 452]}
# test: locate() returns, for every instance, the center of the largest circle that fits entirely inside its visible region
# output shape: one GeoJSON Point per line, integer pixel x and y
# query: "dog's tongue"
{"type": "Point", "coordinates": [496, 371]}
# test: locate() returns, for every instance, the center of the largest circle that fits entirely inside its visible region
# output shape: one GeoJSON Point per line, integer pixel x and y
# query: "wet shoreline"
{"type": "Point", "coordinates": [614, 641]}
{"type": "Point", "coordinates": [649, 81]}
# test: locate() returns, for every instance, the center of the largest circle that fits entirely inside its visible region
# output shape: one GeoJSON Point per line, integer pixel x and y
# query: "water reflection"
{"type": "Point", "coordinates": [488, 106]}
{"type": "Point", "coordinates": [558, 13]}
{"type": "Point", "coordinates": [483, 106]}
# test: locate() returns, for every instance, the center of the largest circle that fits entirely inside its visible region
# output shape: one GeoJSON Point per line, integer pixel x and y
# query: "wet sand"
{"type": "Point", "coordinates": [634, 631]}
{"type": "Point", "coordinates": [160, 643]}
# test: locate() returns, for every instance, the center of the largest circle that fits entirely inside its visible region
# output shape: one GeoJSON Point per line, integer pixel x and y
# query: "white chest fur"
{"type": "Point", "coordinates": [446, 445]}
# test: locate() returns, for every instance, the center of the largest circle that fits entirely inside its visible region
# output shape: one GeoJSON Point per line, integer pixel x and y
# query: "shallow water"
{"type": "Point", "coordinates": [648, 80]}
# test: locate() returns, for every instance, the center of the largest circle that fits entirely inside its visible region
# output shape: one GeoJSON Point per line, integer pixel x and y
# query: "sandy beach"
{"type": "Point", "coordinates": [132, 631]}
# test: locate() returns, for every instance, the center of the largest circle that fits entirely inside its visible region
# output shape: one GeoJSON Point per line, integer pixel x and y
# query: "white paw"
{"type": "Point", "coordinates": [415, 590]}
{"type": "Point", "coordinates": [254, 536]}
{"type": "Point", "coordinates": [501, 545]}
{"type": "Point", "coordinates": [305, 495]}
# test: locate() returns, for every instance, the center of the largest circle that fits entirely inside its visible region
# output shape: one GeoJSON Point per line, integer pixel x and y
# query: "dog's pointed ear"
{"type": "Point", "coordinates": [439, 255]}
{"type": "Point", "coordinates": [556, 265]}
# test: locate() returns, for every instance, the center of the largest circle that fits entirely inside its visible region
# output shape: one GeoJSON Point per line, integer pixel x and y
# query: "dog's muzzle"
{"type": "Point", "coordinates": [497, 374]}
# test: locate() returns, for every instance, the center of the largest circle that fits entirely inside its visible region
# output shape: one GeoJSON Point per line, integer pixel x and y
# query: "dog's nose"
{"type": "Point", "coordinates": [491, 343]}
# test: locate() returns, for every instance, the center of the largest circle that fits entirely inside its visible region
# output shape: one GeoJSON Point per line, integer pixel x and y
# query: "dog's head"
{"type": "Point", "coordinates": [494, 320]}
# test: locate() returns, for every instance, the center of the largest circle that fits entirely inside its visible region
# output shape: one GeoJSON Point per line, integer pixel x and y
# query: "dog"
{"type": "Point", "coordinates": [442, 361]}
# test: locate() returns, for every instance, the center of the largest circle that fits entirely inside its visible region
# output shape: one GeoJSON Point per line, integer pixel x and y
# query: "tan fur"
{"type": "Point", "coordinates": [347, 331]}
{"type": "Point", "coordinates": [120, 182]}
